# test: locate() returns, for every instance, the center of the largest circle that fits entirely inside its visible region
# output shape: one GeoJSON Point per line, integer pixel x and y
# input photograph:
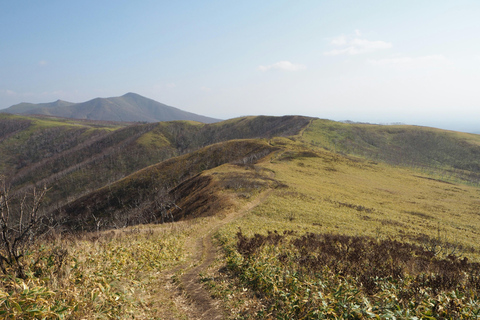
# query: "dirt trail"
{"type": "Point", "coordinates": [203, 254]}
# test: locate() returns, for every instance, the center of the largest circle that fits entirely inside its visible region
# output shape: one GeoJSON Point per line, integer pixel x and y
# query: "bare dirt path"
{"type": "Point", "coordinates": [202, 306]}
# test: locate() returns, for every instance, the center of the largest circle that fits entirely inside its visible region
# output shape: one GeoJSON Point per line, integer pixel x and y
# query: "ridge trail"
{"type": "Point", "coordinates": [202, 306]}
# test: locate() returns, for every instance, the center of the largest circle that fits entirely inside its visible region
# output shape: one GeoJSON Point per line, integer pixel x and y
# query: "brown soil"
{"type": "Point", "coordinates": [201, 304]}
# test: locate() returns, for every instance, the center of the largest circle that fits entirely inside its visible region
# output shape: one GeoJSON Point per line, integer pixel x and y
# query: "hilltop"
{"type": "Point", "coordinates": [130, 107]}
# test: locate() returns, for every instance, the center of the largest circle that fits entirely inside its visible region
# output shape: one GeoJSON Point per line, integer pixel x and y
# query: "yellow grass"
{"type": "Point", "coordinates": [152, 139]}
{"type": "Point", "coordinates": [331, 193]}
{"type": "Point", "coordinates": [312, 190]}
{"type": "Point", "coordinates": [109, 275]}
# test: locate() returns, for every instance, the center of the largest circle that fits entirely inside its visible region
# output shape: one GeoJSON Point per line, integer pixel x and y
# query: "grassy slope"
{"type": "Point", "coordinates": [312, 190]}
{"type": "Point", "coordinates": [447, 154]}
{"type": "Point", "coordinates": [328, 193]}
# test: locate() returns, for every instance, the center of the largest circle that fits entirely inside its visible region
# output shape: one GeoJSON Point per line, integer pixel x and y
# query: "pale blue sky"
{"type": "Point", "coordinates": [410, 61]}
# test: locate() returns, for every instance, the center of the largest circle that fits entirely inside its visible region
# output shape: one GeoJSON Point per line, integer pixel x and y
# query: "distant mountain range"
{"type": "Point", "coordinates": [129, 107]}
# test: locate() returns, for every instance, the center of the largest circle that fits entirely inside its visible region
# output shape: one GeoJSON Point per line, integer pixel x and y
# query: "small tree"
{"type": "Point", "coordinates": [20, 225]}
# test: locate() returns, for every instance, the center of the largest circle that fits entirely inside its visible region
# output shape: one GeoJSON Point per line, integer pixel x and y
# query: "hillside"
{"type": "Point", "coordinates": [447, 155]}
{"type": "Point", "coordinates": [379, 193]}
{"type": "Point", "coordinates": [76, 157]}
{"type": "Point", "coordinates": [280, 217]}
{"type": "Point", "coordinates": [130, 107]}
{"type": "Point", "coordinates": [289, 216]}
{"type": "Point", "coordinates": [156, 193]}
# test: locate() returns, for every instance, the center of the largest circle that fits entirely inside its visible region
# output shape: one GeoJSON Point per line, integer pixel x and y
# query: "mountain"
{"type": "Point", "coordinates": [130, 107]}
{"type": "Point", "coordinates": [37, 108]}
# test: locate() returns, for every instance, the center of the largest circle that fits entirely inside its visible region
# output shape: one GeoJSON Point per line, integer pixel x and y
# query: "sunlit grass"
{"type": "Point", "coordinates": [326, 193]}
{"type": "Point", "coordinates": [330, 193]}
{"type": "Point", "coordinates": [154, 140]}
{"type": "Point", "coordinates": [110, 275]}
{"type": "Point", "coordinates": [449, 155]}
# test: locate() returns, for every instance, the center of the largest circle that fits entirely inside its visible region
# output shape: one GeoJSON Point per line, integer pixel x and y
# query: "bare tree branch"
{"type": "Point", "coordinates": [20, 226]}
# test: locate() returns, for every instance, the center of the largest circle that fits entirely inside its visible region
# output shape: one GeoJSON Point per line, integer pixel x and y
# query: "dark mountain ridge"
{"type": "Point", "coordinates": [146, 195]}
{"type": "Point", "coordinates": [76, 157]}
{"type": "Point", "coordinates": [130, 107]}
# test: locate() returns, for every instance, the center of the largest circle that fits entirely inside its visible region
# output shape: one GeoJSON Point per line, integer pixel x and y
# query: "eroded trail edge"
{"type": "Point", "coordinates": [203, 306]}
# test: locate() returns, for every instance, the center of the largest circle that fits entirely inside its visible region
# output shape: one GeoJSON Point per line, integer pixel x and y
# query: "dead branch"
{"type": "Point", "coordinates": [20, 225]}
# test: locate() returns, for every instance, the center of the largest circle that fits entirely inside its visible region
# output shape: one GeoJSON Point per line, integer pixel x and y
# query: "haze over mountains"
{"type": "Point", "coordinates": [130, 107]}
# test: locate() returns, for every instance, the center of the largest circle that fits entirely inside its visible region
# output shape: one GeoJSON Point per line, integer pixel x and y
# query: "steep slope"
{"type": "Point", "coordinates": [130, 107]}
{"type": "Point", "coordinates": [158, 193]}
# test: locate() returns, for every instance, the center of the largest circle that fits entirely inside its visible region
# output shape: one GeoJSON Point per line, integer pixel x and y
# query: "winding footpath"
{"type": "Point", "coordinates": [203, 253]}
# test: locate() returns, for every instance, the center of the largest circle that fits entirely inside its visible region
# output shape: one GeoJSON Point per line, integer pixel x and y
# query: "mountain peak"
{"type": "Point", "coordinates": [131, 94]}
{"type": "Point", "coordinates": [130, 107]}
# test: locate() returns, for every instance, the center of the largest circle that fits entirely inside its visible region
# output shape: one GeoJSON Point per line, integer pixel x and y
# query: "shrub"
{"type": "Point", "coordinates": [328, 276]}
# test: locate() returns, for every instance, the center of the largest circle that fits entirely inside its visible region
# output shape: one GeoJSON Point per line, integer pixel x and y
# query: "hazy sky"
{"type": "Point", "coordinates": [416, 62]}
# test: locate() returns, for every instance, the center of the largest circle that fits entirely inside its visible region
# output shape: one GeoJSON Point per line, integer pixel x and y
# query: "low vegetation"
{"type": "Point", "coordinates": [451, 156]}
{"type": "Point", "coordinates": [353, 221]}
{"type": "Point", "coordinates": [328, 276]}
{"type": "Point", "coordinates": [346, 238]}
{"type": "Point", "coordinates": [112, 275]}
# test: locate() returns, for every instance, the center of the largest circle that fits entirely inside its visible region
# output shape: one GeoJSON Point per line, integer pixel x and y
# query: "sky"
{"type": "Point", "coordinates": [409, 61]}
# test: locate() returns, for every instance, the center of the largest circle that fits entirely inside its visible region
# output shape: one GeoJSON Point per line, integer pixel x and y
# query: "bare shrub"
{"type": "Point", "coordinates": [21, 224]}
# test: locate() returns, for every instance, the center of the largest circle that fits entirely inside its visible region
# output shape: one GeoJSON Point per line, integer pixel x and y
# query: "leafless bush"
{"type": "Point", "coordinates": [21, 224]}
